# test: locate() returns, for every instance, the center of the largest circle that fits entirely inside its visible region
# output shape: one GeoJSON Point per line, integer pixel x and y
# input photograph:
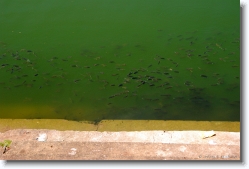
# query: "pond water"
{"type": "Point", "coordinates": [128, 59]}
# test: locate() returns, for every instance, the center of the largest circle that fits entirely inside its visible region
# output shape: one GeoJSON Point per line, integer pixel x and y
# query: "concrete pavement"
{"type": "Point", "coordinates": [122, 145]}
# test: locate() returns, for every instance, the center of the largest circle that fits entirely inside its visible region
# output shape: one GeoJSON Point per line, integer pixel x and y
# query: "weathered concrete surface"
{"type": "Point", "coordinates": [122, 145]}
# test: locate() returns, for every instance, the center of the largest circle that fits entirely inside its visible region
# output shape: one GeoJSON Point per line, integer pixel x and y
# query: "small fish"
{"type": "Point", "coordinates": [211, 63]}
{"type": "Point", "coordinates": [75, 81]}
{"type": "Point", "coordinates": [3, 65]}
{"type": "Point", "coordinates": [187, 83]}
{"type": "Point", "coordinates": [139, 85]}
{"type": "Point", "coordinates": [167, 95]}
{"type": "Point", "coordinates": [143, 82]}
{"type": "Point", "coordinates": [204, 76]}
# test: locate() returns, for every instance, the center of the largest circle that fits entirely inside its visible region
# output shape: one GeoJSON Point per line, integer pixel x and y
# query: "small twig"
{"type": "Point", "coordinates": [4, 149]}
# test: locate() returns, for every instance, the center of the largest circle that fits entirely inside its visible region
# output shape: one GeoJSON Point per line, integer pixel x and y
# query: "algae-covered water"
{"type": "Point", "coordinates": [127, 59]}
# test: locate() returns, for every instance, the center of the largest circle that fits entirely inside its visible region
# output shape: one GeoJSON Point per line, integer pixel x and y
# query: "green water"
{"type": "Point", "coordinates": [126, 59]}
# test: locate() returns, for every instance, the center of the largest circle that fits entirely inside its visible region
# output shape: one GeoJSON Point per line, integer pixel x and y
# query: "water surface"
{"type": "Point", "coordinates": [132, 59]}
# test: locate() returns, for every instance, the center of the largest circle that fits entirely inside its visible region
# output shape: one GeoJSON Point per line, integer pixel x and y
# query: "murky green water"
{"type": "Point", "coordinates": [127, 59]}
